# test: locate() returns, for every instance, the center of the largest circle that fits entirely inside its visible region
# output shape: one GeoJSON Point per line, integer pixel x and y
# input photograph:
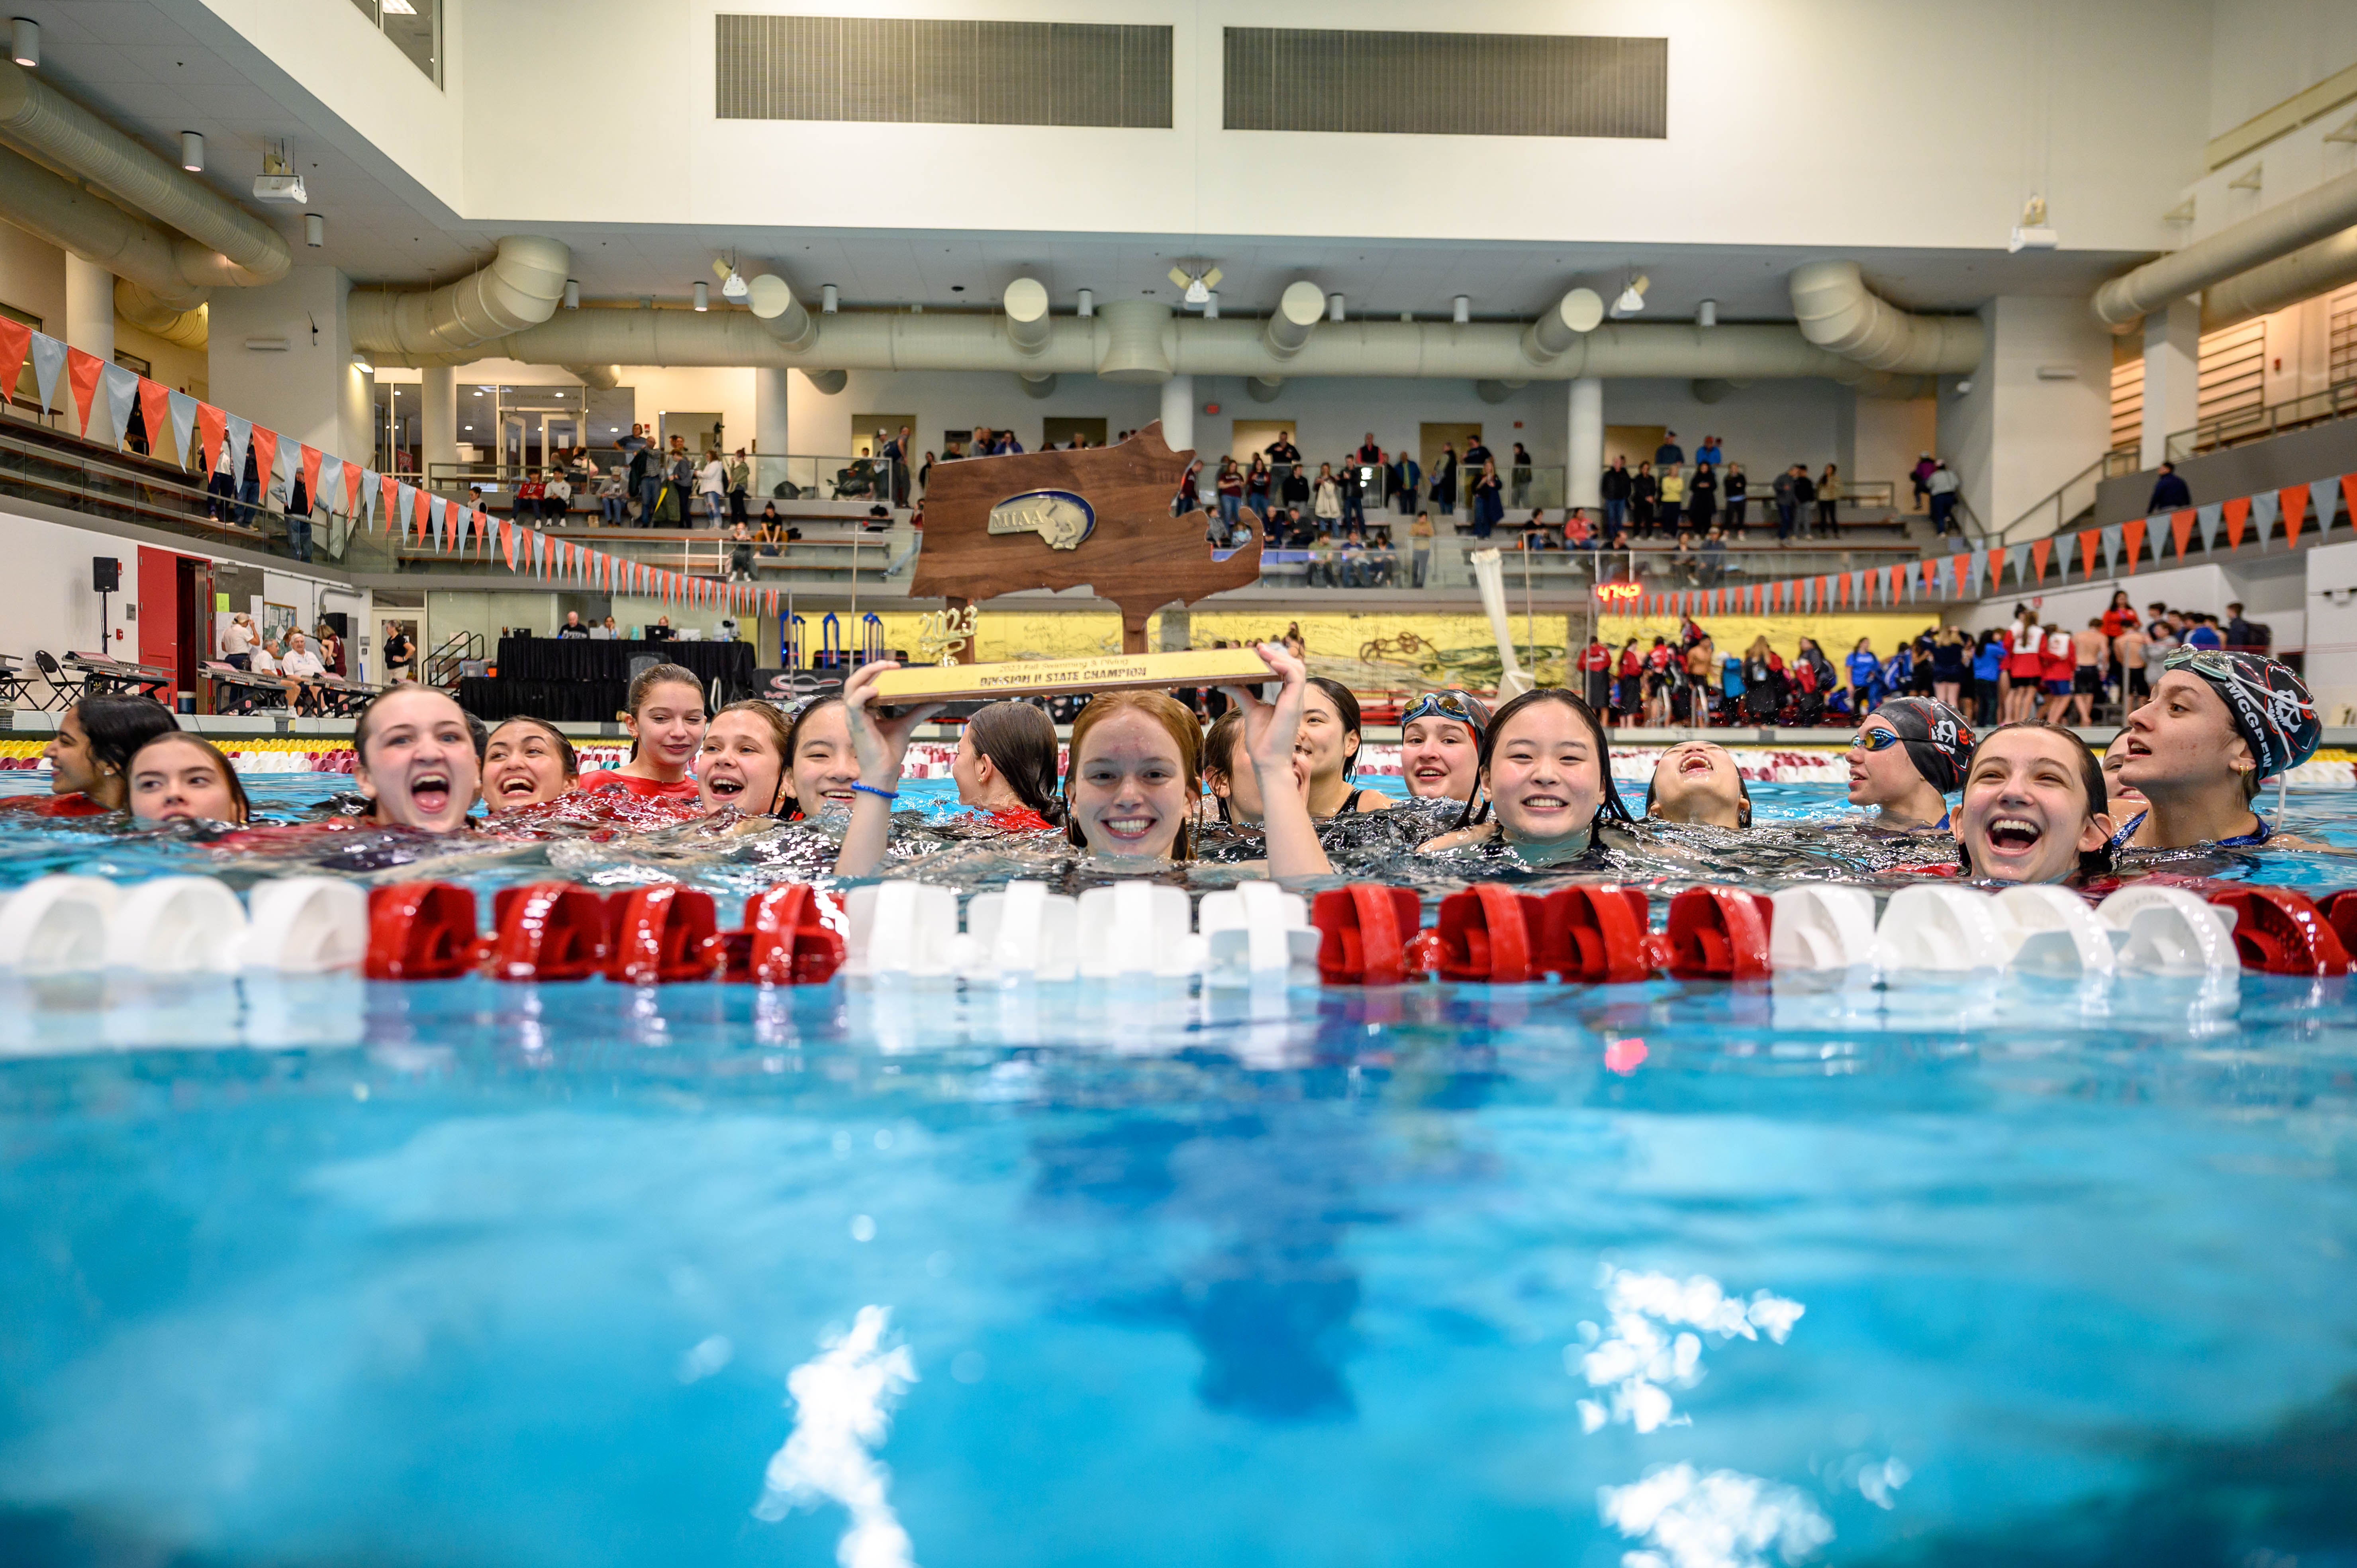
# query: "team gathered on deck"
{"type": "Point", "coordinates": [1527, 785]}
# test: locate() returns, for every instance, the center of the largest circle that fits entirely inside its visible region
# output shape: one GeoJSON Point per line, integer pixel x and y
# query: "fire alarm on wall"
{"type": "Point", "coordinates": [1210, 408]}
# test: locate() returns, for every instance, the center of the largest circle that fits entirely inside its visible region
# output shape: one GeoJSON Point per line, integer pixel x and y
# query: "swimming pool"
{"type": "Point", "coordinates": [1999, 1271]}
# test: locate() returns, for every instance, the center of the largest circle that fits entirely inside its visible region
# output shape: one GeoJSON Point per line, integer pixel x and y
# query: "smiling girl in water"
{"type": "Point", "coordinates": [1546, 783]}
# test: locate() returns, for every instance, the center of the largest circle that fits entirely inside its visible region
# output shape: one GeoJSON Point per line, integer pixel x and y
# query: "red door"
{"type": "Point", "coordinates": [171, 634]}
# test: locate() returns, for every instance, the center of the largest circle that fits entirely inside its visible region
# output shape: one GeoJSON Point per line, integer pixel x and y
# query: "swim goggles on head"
{"type": "Point", "coordinates": [1447, 705]}
{"type": "Point", "coordinates": [2268, 702]}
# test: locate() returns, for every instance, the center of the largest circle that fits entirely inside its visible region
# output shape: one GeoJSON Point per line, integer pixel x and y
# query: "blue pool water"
{"type": "Point", "coordinates": [465, 1272]}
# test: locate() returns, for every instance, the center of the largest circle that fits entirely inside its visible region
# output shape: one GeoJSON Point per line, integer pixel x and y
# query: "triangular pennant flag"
{"type": "Point", "coordinates": [311, 458]}
{"type": "Point", "coordinates": [2041, 551]}
{"type": "Point", "coordinates": [2016, 561]}
{"type": "Point", "coordinates": [2087, 547]}
{"type": "Point", "coordinates": [1856, 592]}
{"type": "Point", "coordinates": [436, 510]}
{"type": "Point", "coordinates": [2132, 531]}
{"type": "Point", "coordinates": [355, 476]}
{"type": "Point", "coordinates": [48, 360]}
{"type": "Point", "coordinates": [2110, 539]}
{"type": "Point", "coordinates": [1825, 593]}
{"type": "Point", "coordinates": [16, 341]}
{"type": "Point", "coordinates": [418, 501]}
{"type": "Point", "coordinates": [388, 492]}
{"type": "Point", "coordinates": [121, 386]}
{"type": "Point", "coordinates": [508, 541]}
{"type": "Point", "coordinates": [2180, 528]}
{"type": "Point", "coordinates": [1957, 582]}
{"type": "Point", "coordinates": [2265, 508]}
{"type": "Point", "coordinates": [184, 427]}
{"type": "Point", "coordinates": [156, 414]}
{"type": "Point", "coordinates": [2349, 495]}
{"type": "Point", "coordinates": [1899, 579]}
{"type": "Point", "coordinates": [2238, 513]}
{"type": "Point", "coordinates": [241, 434]}
{"type": "Point", "coordinates": [286, 461]}
{"type": "Point", "coordinates": [2324, 494]}
{"type": "Point", "coordinates": [331, 487]}
{"type": "Point", "coordinates": [2293, 499]}
{"type": "Point", "coordinates": [83, 371]}
{"type": "Point", "coordinates": [265, 456]}
{"type": "Point", "coordinates": [404, 506]}
{"type": "Point", "coordinates": [372, 493]}
{"type": "Point", "coordinates": [2208, 518]}
{"type": "Point", "coordinates": [1976, 568]}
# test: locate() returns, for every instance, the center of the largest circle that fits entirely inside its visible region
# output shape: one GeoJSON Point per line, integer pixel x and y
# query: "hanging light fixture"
{"type": "Point", "coordinates": [25, 41]}
{"type": "Point", "coordinates": [192, 151]}
{"type": "Point", "coordinates": [1632, 299]}
{"type": "Point", "coordinates": [703, 295]}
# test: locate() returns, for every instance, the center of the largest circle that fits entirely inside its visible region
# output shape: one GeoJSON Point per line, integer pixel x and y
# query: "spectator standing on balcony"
{"type": "Point", "coordinates": [1444, 482]}
{"type": "Point", "coordinates": [1293, 485]}
{"type": "Point", "coordinates": [1921, 476]}
{"type": "Point", "coordinates": [740, 555]}
{"type": "Point", "coordinates": [1190, 488]}
{"type": "Point", "coordinates": [1419, 548]}
{"type": "Point", "coordinates": [400, 655]}
{"type": "Point", "coordinates": [740, 484]}
{"type": "Point", "coordinates": [712, 484]}
{"type": "Point", "coordinates": [1326, 500]}
{"type": "Point", "coordinates": [1643, 491]}
{"type": "Point", "coordinates": [925, 474]}
{"type": "Point", "coordinates": [298, 520]}
{"type": "Point", "coordinates": [1368, 452]}
{"type": "Point", "coordinates": [1941, 485]}
{"type": "Point", "coordinates": [1669, 454]}
{"type": "Point", "coordinates": [249, 491]}
{"type": "Point", "coordinates": [2169, 492]}
{"type": "Point", "coordinates": [1787, 504]}
{"type": "Point", "coordinates": [1488, 500]}
{"type": "Point", "coordinates": [900, 452]}
{"type": "Point", "coordinates": [1521, 470]}
{"type": "Point", "coordinates": [1231, 487]}
{"type": "Point", "coordinates": [2248, 635]}
{"type": "Point", "coordinates": [1612, 489]}
{"type": "Point", "coordinates": [1257, 484]}
{"type": "Point", "coordinates": [1828, 488]}
{"type": "Point", "coordinates": [645, 477]}
{"type": "Point", "coordinates": [1702, 498]}
{"type": "Point", "coordinates": [1709, 452]}
{"type": "Point", "coordinates": [1475, 454]}
{"type": "Point", "coordinates": [1804, 497]}
{"type": "Point", "coordinates": [1673, 499]}
{"type": "Point", "coordinates": [1405, 477]}
{"type": "Point", "coordinates": [1352, 482]}
{"type": "Point", "coordinates": [1735, 491]}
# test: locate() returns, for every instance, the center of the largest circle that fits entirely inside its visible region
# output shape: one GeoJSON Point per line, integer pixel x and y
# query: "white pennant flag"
{"type": "Point", "coordinates": [2324, 500]}
{"type": "Point", "coordinates": [241, 432]}
{"type": "Point", "coordinates": [122, 388]}
{"type": "Point", "coordinates": [371, 489]}
{"type": "Point", "coordinates": [2206, 519]}
{"type": "Point", "coordinates": [48, 359]}
{"type": "Point", "coordinates": [331, 481]}
{"type": "Point", "coordinates": [2266, 510]}
{"type": "Point", "coordinates": [184, 425]}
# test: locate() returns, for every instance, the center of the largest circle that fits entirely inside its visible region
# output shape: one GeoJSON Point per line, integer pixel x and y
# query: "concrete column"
{"type": "Point", "coordinates": [1178, 412]}
{"type": "Point", "coordinates": [1584, 448]}
{"type": "Point", "coordinates": [439, 415]}
{"type": "Point", "coordinates": [89, 307]}
{"type": "Point", "coordinates": [2172, 376]}
{"type": "Point", "coordinates": [2040, 409]}
{"type": "Point", "coordinates": [298, 378]}
{"type": "Point", "coordinates": [769, 430]}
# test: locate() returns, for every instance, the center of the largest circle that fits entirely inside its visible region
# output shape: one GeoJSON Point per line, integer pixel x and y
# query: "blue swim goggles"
{"type": "Point", "coordinates": [1449, 704]}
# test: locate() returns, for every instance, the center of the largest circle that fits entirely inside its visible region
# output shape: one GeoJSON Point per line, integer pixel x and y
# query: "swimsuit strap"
{"type": "Point", "coordinates": [2238, 841]}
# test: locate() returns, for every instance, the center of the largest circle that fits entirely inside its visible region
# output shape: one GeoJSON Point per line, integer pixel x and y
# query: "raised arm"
{"type": "Point", "coordinates": [879, 744]}
{"type": "Point", "coordinates": [1270, 732]}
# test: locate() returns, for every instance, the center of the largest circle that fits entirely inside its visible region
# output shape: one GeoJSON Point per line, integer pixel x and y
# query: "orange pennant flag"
{"type": "Point", "coordinates": [2348, 482]}
{"type": "Point", "coordinates": [2132, 534]}
{"type": "Point", "coordinates": [156, 414]}
{"type": "Point", "coordinates": [352, 489]}
{"type": "Point", "coordinates": [311, 456]}
{"type": "Point", "coordinates": [213, 429]}
{"type": "Point", "coordinates": [2295, 505]}
{"type": "Point", "coordinates": [2041, 551]}
{"type": "Point", "coordinates": [265, 455]}
{"type": "Point", "coordinates": [16, 342]}
{"type": "Point", "coordinates": [2238, 513]}
{"type": "Point", "coordinates": [2088, 546]}
{"type": "Point", "coordinates": [2180, 525]}
{"type": "Point", "coordinates": [82, 369]}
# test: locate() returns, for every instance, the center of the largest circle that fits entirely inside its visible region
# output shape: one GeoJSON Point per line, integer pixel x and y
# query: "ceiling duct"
{"type": "Point", "coordinates": [2305, 272]}
{"type": "Point", "coordinates": [2262, 238]}
{"type": "Point", "coordinates": [1838, 314]}
{"type": "Point", "coordinates": [1027, 325]}
{"type": "Point", "coordinates": [244, 250]}
{"type": "Point", "coordinates": [1298, 311]}
{"type": "Point", "coordinates": [520, 288]}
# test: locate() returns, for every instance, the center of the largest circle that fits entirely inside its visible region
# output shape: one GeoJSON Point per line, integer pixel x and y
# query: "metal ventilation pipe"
{"type": "Point", "coordinates": [35, 116]}
{"type": "Point", "coordinates": [1038, 385]}
{"type": "Point", "coordinates": [1028, 326]}
{"type": "Point", "coordinates": [2310, 271]}
{"type": "Point", "coordinates": [102, 234]}
{"type": "Point", "coordinates": [828, 381]}
{"type": "Point", "coordinates": [1837, 314]}
{"type": "Point", "coordinates": [1497, 392]}
{"type": "Point", "coordinates": [2259, 239]}
{"type": "Point", "coordinates": [188, 328]}
{"type": "Point", "coordinates": [1298, 311]}
{"type": "Point", "coordinates": [1263, 389]}
{"type": "Point", "coordinates": [597, 377]}
{"type": "Point", "coordinates": [1133, 349]}
{"type": "Point", "coordinates": [520, 288]}
{"type": "Point", "coordinates": [1577, 313]}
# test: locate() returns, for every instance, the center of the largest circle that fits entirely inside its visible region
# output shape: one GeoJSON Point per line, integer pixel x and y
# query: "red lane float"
{"type": "Point", "coordinates": [1719, 933]}
{"type": "Point", "coordinates": [1489, 934]}
{"type": "Point", "coordinates": [788, 940]}
{"type": "Point", "coordinates": [2279, 932]}
{"type": "Point", "coordinates": [2340, 911]}
{"type": "Point", "coordinates": [546, 930]}
{"type": "Point", "coordinates": [1596, 932]}
{"type": "Point", "coordinates": [1365, 929]}
{"type": "Point", "coordinates": [662, 935]}
{"type": "Point", "coordinates": [420, 931]}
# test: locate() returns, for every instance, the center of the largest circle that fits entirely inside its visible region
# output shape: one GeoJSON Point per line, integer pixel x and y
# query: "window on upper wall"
{"type": "Point", "coordinates": [414, 26]}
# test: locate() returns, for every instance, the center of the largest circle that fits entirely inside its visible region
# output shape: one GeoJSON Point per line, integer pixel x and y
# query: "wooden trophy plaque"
{"type": "Point", "coordinates": [1100, 518]}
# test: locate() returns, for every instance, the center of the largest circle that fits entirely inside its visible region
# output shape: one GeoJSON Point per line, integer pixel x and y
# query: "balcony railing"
{"type": "Point", "coordinates": [2336, 401]}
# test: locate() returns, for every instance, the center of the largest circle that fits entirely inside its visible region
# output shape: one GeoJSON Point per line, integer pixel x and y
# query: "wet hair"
{"type": "Point", "coordinates": [228, 772]}
{"type": "Point", "coordinates": [364, 727]}
{"type": "Point", "coordinates": [793, 744]}
{"type": "Point", "coordinates": [1021, 741]}
{"type": "Point", "coordinates": [2094, 861]}
{"type": "Point", "coordinates": [1346, 702]}
{"type": "Point", "coordinates": [1610, 808]}
{"type": "Point", "coordinates": [781, 734]}
{"type": "Point", "coordinates": [563, 747]}
{"type": "Point", "coordinates": [118, 726]}
{"type": "Point", "coordinates": [1742, 797]}
{"type": "Point", "coordinates": [1176, 719]}
{"type": "Point", "coordinates": [643, 684]}
{"type": "Point", "coordinates": [1220, 744]}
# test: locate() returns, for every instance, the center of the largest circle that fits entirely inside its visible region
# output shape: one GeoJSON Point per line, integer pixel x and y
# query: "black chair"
{"type": "Point", "coordinates": [64, 690]}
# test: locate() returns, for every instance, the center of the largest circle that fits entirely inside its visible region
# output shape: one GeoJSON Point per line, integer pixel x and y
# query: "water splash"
{"type": "Point", "coordinates": [1639, 1362]}
{"type": "Point", "coordinates": [1723, 1520]}
{"type": "Point", "coordinates": [843, 1401]}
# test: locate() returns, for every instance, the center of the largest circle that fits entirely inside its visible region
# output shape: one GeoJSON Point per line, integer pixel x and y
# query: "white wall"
{"type": "Point", "coordinates": [1780, 109]}
{"type": "Point", "coordinates": [49, 602]}
{"type": "Point", "coordinates": [2014, 438]}
{"type": "Point", "coordinates": [2332, 586]}
{"type": "Point", "coordinates": [2264, 51]}
{"type": "Point", "coordinates": [311, 391]}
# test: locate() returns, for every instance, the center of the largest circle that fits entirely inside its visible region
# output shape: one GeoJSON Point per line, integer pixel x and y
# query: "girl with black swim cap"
{"type": "Point", "coordinates": [2219, 725]}
{"type": "Point", "coordinates": [1907, 757]}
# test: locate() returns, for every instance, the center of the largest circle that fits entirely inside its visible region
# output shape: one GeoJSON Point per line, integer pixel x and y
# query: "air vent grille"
{"type": "Point", "coordinates": [1446, 84]}
{"type": "Point", "coordinates": [943, 72]}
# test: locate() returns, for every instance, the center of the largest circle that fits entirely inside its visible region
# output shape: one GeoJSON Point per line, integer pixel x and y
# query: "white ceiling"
{"type": "Point", "coordinates": [132, 62]}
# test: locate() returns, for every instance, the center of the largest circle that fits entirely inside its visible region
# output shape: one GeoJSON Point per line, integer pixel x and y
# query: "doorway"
{"type": "Point", "coordinates": [701, 432]}
{"type": "Point", "coordinates": [1254, 436]}
{"type": "Point", "coordinates": [870, 431]}
{"type": "Point", "coordinates": [530, 437]}
{"type": "Point", "coordinates": [1431, 438]}
{"type": "Point", "coordinates": [1060, 431]}
{"type": "Point", "coordinates": [1637, 443]}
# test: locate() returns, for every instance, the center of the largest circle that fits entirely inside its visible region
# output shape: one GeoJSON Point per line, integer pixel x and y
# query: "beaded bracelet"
{"type": "Point", "coordinates": [880, 794]}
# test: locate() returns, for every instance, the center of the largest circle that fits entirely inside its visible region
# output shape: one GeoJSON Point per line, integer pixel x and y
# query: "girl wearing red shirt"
{"type": "Point", "coordinates": [666, 725]}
